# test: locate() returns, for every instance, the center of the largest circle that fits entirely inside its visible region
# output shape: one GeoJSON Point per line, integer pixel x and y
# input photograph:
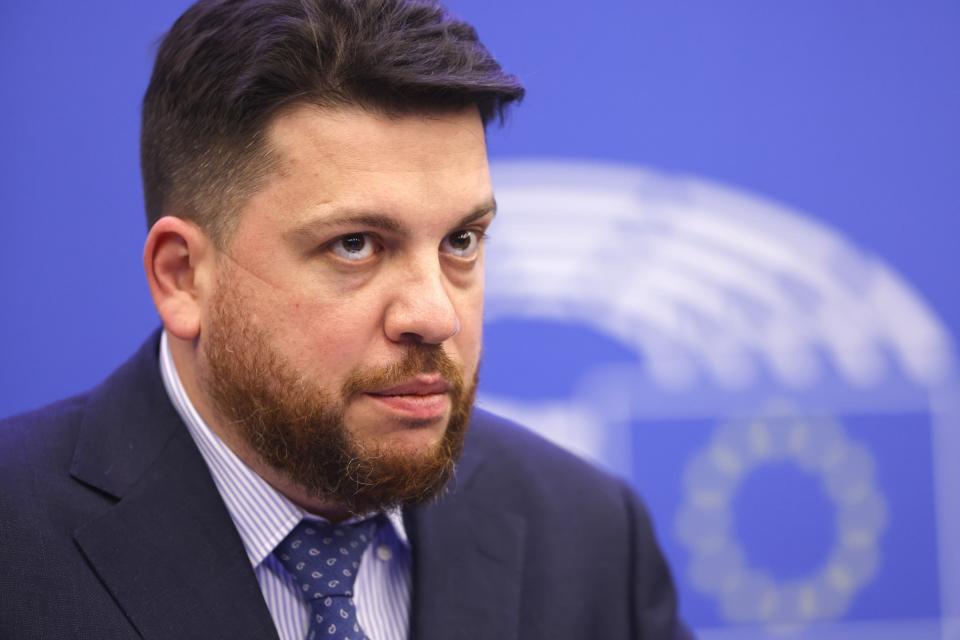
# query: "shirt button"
{"type": "Point", "coordinates": [384, 553]}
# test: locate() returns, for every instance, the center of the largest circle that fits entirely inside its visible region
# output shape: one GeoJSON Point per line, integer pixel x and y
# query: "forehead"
{"type": "Point", "coordinates": [352, 137]}
{"type": "Point", "coordinates": [354, 156]}
{"type": "Point", "coordinates": [422, 171]}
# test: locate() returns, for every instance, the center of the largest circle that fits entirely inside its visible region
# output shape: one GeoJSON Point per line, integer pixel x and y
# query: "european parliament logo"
{"type": "Point", "coordinates": [786, 403]}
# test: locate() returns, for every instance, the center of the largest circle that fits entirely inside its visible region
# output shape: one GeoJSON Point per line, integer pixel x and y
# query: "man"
{"type": "Point", "coordinates": [284, 458]}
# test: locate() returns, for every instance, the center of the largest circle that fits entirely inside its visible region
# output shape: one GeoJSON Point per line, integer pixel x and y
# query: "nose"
{"type": "Point", "coordinates": [421, 308]}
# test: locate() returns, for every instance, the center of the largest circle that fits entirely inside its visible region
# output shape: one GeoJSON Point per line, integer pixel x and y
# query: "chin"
{"type": "Point", "coordinates": [406, 438]}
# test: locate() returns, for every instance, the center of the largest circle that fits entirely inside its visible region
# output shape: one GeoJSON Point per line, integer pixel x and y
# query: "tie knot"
{"type": "Point", "coordinates": [323, 558]}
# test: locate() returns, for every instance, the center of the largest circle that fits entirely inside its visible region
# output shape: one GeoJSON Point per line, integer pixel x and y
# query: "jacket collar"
{"type": "Point", "coordinates": [167, 549]}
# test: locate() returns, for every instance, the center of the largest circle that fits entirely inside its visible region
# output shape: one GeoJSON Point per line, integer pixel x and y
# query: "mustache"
{"type": "Point", "coordinates": [418, 359]}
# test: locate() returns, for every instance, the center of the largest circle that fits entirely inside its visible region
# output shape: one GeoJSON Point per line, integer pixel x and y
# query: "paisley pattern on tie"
{"type": "Point", "coordinates": [324, 560]}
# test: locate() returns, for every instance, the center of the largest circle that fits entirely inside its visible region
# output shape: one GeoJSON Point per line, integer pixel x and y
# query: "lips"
{"type": "Point", "coordinates": [420, 386]}
{"type": "Point", "coordinates": [423, 398]}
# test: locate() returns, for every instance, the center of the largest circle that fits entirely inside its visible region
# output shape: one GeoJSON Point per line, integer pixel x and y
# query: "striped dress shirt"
{"type": "Point", "coordinates": [264, 517]}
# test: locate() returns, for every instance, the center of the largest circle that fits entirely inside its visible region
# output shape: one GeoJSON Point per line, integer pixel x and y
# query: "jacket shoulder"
{"type": "Point", "coordinates": [515, 461]}
{"type": "Point", "coordinates": [41, 438]}
{"type": "Point", "coordinates": [568, 503]}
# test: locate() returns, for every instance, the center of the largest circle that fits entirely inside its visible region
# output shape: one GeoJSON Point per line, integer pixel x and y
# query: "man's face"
{"type": "Point", "coordinates": [343, 337]}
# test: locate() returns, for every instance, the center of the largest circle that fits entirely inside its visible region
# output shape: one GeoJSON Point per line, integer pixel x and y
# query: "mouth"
{"type": "Point", "coordinates": [423, 398]}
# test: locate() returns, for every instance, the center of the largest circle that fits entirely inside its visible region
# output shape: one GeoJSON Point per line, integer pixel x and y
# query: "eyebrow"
{"type": "Point", "coordinates": [375, 220]}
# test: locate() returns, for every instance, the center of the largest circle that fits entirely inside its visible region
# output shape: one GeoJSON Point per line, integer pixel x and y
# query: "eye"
{"type": "Point", "coordinates": [462, 244]}
{"type": "Point", "coordinates": [355, 247]}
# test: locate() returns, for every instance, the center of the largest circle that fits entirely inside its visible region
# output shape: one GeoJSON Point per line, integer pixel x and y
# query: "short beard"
{"type": "Point", "coordinates": [299, 430]}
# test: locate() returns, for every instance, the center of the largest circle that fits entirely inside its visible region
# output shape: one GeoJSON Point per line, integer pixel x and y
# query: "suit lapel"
{"type": "Point", "coordinates": [167, 551]}
{"type": "Point", "coordinates": [468, 558]}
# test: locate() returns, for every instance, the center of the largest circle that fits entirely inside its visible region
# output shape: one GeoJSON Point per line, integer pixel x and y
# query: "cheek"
{"type": "Point", "coordinates": [469, 340]}
{"type": "Point", "coordinates": [325, 336]}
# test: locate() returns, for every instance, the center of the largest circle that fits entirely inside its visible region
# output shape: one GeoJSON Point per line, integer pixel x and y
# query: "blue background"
{"type": "Point", "coordinates": [847, 111]}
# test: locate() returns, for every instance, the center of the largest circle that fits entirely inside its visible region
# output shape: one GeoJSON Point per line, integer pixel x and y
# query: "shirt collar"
{"type": "Point", "coordinates": [263, 516]}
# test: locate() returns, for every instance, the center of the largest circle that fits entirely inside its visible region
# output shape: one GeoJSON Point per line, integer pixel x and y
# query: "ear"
{"type": "Point", "coordinates": [177, 257]}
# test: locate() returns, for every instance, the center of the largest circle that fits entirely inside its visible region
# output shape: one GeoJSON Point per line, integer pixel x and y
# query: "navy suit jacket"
{"type": "Point", "coordinates": [111, 527]}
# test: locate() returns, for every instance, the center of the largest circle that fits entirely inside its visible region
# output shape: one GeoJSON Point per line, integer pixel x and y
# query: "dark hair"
{"type": "Point", "coordinates": [227, 67]}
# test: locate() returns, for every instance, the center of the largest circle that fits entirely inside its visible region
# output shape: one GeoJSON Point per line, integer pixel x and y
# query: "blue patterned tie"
{"type": "Point", "coordinates": [324, 560]}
